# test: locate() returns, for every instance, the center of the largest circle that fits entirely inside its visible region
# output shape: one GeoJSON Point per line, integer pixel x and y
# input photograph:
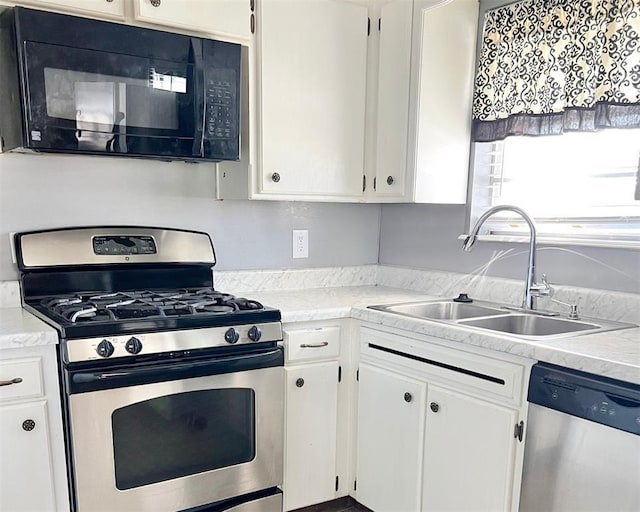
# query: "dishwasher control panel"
{"type": "Point", "coordinates": [592, 397]}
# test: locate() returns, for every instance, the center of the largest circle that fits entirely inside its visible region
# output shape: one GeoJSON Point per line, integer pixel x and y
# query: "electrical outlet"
{"type": "Point", "coordinates": [300, 243]}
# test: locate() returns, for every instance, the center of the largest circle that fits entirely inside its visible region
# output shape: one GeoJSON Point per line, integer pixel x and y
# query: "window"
{"type": "Point", "coordinates": [556, 120]}
{"type": "Point", "coordinates": [579, 187]}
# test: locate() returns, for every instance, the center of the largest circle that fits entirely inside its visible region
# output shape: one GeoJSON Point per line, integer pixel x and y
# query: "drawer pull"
{"type": "Point", "coordinates": [314, 345]}
{"type": "Point", "coordinates": [299, 383]}
{"type": "Point", "coordinates": [28, 425]}
{"type": "Point", "coordinates": [17, 380]}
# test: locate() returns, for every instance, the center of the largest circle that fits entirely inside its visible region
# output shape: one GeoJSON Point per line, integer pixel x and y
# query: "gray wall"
{"type": "Point", "coordinates": [45, 191]}
{"type": "Point", "coordinates": [426, 236]}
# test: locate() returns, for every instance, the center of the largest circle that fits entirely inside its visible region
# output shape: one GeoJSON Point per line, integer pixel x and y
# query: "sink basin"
{"type": "Point", "coordinates": [530, 325]}
{"type": "Point", "coordinates": [493, 317]}
{"type": "Point", "coordinates": [442, 310]}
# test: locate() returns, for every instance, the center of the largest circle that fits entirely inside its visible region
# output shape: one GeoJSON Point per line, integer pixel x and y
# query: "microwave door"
{"type": "Point", "coordinates": [90, 101]}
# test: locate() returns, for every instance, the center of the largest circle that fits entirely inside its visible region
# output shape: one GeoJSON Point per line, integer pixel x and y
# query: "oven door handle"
{"type": "Point", "coordinates": [86, 381]}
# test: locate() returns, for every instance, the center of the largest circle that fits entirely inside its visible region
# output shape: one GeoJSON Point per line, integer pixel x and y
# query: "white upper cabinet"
{"type": "Point", "coordinates": [312, 83]}
{"type": "Point", "coordinates": [224, 18]}
{"type": "Point", "coordinates": [394, 73]}
{"type": "Point", "coordinates": [113, 9]}
{"type": "Point", "coordinates": [440, 102]}
{"type": "Point", "coordinates": [422, 114]}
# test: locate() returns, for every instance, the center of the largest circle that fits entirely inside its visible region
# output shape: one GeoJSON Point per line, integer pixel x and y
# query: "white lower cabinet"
{"type": "Point", "coordinates": [437, 426]}
{"type": "Point", "coordinates": [311, 421]}
{"type": "Point", "coordinates": [33, 476]}
{"type": "Point", "coordinates": [469, 453]}
{"type": "Point", "coordinates": [390, 438]}
{"type": "Point", "coordinates": [25, 461]}
{"type": "Point", "coordinates": [315, 398]}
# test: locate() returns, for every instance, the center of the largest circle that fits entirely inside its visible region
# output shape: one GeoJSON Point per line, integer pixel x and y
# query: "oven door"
{"type": "Point", "coordinates": [173, 445]}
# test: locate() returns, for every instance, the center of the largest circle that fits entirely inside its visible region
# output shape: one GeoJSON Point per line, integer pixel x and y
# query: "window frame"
{"type": "Point", "coordinates": [495, 226]}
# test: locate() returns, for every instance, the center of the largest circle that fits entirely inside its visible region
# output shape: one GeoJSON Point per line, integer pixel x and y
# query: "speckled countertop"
{"type": "Point", "coordinates": [18, 329]}
{"type": "Point", "coordinates": [615, 353]}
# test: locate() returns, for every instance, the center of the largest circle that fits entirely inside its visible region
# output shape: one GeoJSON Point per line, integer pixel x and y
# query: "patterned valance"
{"type": "Point", "coordinates": [550, 66]}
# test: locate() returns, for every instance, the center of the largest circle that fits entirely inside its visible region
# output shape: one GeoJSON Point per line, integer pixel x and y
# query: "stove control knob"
{"type": "Point", "coordinates": [255, 333]}
{"type": "Point", "coordinates": [133, 345]}
{"type": "Point", "coordinates": [104, 348]}
{"type": "Point", "coordinates": [231, 336]}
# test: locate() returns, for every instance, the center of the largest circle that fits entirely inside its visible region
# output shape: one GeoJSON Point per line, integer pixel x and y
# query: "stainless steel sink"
{"type": "Point", "coordinates": [493, 317]}
{"type": "Point", "coordinates": [531, 325]}
{"type": "Point", "coordinates": [443, 310]}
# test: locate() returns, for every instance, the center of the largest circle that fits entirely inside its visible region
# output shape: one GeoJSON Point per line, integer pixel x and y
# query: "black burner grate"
{"type": "Point", "coordinates": [146, 304]}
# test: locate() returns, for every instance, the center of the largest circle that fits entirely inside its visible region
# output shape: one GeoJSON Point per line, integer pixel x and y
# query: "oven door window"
{"type": "Point", "coordinates": [93, 101]}
{"type": "Point", "coordinates": [183, 434]}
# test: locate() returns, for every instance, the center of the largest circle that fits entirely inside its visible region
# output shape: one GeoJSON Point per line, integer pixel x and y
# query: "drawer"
{"type": "Point", "coordinates": [312, 344]}
{"type": "Point", "coordinates": [29, 371]}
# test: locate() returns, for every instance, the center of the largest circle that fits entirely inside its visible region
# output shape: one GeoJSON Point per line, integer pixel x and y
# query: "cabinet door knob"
{"type": "Point", "coordinates": [408, 397]}
{"type": "Point", "coordinates": [434, 406]}
{"type": "Point", "coordinates": [28, 425]}
{"type": "Point", "coordinates": [300, 383]}
{"type": "Point", "coordinates": [109, 1]}
{"type": "Point", "coordinates": [155, 3]}
{"type": "Point", "coordinates": [275, 177]}
{"type": "Point", "coordinates": [389, 180]}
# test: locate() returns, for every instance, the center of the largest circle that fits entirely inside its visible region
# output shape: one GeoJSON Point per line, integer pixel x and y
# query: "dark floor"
{"type": "Point", "coordinates": [346, 504]}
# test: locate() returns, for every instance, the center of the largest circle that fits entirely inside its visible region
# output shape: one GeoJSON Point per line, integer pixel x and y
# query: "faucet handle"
{"type": "Point", "coordinates": [543, 289]}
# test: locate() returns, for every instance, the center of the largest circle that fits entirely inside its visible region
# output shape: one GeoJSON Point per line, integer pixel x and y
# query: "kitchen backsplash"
{"type": "Point", "coordinates": [606, 304]}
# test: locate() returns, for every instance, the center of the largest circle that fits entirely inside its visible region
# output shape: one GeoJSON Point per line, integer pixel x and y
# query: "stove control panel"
{"type": "Point", "coordinates": [128, 345]}
{"type": "Point", "coordinates": [124, 245]}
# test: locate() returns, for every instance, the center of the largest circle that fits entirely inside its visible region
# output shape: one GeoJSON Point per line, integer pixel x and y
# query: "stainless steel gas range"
{"type": "Point", "coordinates": [172, 391]}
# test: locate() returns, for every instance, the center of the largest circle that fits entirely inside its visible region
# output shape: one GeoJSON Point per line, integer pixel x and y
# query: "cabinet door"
{"type": "Point", "coordinates": [26, 481]}
{"type": "Point", "coordinates": [391, 412]}
{"type": "Point", "coordinates": [99, 8]}
{"type": "Point", "coordinates": [229, 18]}
{"type": "Point", "coordinates": [469, 453]}
{"type": "Point", "coordinates": [441, 90]}
{"type": "Point", "coordinates": [313, 57]}
{"type": "Point", "coordinates": [394, 73]}
{"type": "Point", "coordinates": [311, 423]}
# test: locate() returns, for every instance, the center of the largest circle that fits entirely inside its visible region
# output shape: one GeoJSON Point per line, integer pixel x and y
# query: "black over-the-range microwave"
{"type": "Point", "coordinates": [76, 85]}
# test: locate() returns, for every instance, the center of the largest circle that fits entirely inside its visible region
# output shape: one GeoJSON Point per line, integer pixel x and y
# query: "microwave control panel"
{"type": "Point", "coordinates": [222, 117]}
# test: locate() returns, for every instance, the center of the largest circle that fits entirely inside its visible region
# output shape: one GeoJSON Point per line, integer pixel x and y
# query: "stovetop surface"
{"type": "Point", "coordinates": [90, 314]}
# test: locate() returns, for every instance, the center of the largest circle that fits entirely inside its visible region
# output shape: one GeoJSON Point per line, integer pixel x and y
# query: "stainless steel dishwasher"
{"type": "Point", "coordinates": [582, 449]}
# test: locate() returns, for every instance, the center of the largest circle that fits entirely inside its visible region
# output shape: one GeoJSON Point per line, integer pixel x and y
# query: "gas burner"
{"type": "Point", "coordinates": [141, 304]}
{"type": "Point", "coordinates": [247, 304]}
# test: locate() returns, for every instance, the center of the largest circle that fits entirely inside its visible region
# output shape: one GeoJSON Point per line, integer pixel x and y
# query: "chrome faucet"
{"type": "Point", "coordinates": [532, 289]}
